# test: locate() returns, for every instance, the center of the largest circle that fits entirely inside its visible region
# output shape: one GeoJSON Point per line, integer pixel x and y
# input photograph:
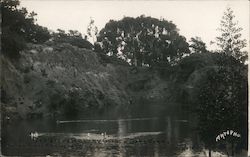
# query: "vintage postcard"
{"type": "Point", "coordinates": [124, 78]}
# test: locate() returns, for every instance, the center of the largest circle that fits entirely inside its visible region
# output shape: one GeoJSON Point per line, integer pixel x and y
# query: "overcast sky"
{"type": "Point", "coordinates": [193, 18]}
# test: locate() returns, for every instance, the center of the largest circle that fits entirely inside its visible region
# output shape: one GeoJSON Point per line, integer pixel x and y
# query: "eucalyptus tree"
{"type": "Point", "coordinates": [143, 41]}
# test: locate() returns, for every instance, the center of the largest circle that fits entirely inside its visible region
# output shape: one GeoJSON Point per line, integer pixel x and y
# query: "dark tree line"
{"type": "Point", "coordinates": [73, 37]}
{"type": "Point", "coordinates": [139, 41]}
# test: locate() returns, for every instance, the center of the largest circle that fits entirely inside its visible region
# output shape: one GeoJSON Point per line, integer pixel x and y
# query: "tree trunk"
{"type": "Point", "coordinates": [232, 148]}
{"type": "Point", "coordinates": [209, 152]}
{"type": "Point", "coordinates": [135, 62]}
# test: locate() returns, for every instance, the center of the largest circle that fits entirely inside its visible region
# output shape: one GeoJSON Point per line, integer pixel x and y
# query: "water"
{"type": "Point", "coordinates": [168, 134]}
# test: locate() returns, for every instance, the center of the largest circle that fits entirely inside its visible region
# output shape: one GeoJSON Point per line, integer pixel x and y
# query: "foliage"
{"type": "Point", "coordinates": [12, 43]}
{"type": "Point", "coordinates": [73, 37]}
{"type": "Point", "coordinates": [64, 103]}
{"type": "Point", "coordinates": [143, 41]}
{"type": "Point", "coordinates": [222, 103]}
{"type": "Point", "coordinates": [230, 41]}
{"type": "Point", "coordinates": [194, 62]}
{"type": "Point", "coordinates": [18, 27]}
{"type": "Point", "coordinates": [92, 30]}
{"type": "Point", "coordinates": [197, 45]}
{"type": "Point", "coordinates": [72, 104]}
{"type": "Point", "coordinates": [4, 97]}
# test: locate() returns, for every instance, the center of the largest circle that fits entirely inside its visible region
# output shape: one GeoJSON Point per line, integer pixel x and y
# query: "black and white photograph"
{"type": "Point", "coordinates": [124, 78]}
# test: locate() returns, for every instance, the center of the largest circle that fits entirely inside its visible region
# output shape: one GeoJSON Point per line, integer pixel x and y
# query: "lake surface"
{"type": "Point", "coordinates": [138, 134]}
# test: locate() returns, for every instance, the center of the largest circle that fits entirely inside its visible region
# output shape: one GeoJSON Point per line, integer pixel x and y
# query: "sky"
{"type": "Point", "coordinates": [193, 18]}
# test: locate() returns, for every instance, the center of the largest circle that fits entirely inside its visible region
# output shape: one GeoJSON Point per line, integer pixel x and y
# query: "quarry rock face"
{"type": "Point", "coordinates": [54, 79]}
{"type": "Point", "coordinates": [58, 78]}
{"type": "Point", "coordinates": [45, 77]}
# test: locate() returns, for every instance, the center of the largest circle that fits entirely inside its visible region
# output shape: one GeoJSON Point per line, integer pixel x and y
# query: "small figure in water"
{"type": "Point", "coordinates": [130, 101]}
{"type": "Point", "coordinates": [34, 135]}
{"type": "Point", "coordinates": [103, 135]}
{"type": "Point", "coordinates": [7, 119]}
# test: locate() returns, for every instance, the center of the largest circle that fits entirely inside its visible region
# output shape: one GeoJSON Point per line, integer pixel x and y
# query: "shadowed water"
{"type": "Point", "coordinates": [170, 134]}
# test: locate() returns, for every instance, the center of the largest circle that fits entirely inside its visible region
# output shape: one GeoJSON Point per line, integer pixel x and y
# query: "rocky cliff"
{"type": "Point", "coordinates": [60, 79]}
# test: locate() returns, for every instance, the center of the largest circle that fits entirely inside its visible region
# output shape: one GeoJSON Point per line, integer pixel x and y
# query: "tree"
{"type": "Point", "coordinates": [92, 30]}
{"type": "Point", "coordinates": [18, 27]}
{"type": "Point", "coordinates": [230, 41]}
{"type": "Point", "coordinates": [143, 41]}
{"type": "Point", "coordinates": [222, 103]}
{"type": "Point", "coordinates": [197, 45]}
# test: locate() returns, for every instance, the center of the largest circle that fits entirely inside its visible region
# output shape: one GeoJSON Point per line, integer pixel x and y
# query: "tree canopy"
{"type": "Point", "coordinates": [230, 41]}
{"type": "Point", "coordinates": [197, 45]}
{"type": "Point", "coordinates": [143, 41]}
{"type": "Point", "coordinates": [19, 27]}
{"type": "Point", "coordinates": [222, 102]}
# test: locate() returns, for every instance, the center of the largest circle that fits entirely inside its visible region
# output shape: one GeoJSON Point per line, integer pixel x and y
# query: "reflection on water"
{"type": "Point", "coordinates": [122, 131]}
{"type": "Point", "coordinates": [168, 129]}
{"type": "Point", "coordinates": [171, 135]}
